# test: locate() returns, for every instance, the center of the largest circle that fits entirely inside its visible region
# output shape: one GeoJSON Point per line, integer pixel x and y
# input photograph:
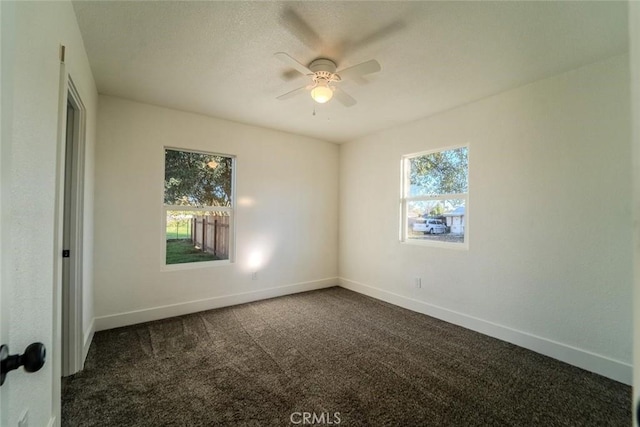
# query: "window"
{"type": "Point", "coordinates": [435, 197]}
{"type": "Point", "coordinates": [198, 206]}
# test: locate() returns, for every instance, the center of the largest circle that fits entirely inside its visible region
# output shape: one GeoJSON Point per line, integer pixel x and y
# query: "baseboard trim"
{"type": "Point", "coordinates": [88, 338]}
{"type": "Point", "coordinates": [163, 312]}
{"type": "Point", "coordinates": [602, 365]}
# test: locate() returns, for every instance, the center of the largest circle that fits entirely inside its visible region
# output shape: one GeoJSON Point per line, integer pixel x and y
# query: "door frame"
{"type": "Point", "coordinates": [69, 305]}
{"type": "Point", "coordinates": [634, 66]}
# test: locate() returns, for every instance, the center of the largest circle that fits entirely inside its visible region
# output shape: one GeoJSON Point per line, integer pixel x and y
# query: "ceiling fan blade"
{"type": "Point", "coordinates": [292, 63]}
{"type": "Point", "coordinates": [290, 75]}
{"type": "Point", "coordinates": [380, 34]}
{"type": "Point", "coordinates": [300, 29]}
{"type": "Point", "coordinates": [362, 69]}
{"type": "Point", "coordinates": [292, 93]}
{"type": "Point", "coordinates": [344, 98]}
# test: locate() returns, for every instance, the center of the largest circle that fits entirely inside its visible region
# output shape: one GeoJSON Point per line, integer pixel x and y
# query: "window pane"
{"type": "Point", "coordinates": [197, 236]}
{"type": "Point", "coordinates": [436, 220]}
{"type": "Point", "coordinates": [444, 172]}
{"type": "Point", "coordinates": [197, 179]}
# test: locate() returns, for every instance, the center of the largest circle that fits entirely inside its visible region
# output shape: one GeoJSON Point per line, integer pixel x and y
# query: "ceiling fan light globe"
{"type": "Point", "coordinates": [321, 94]}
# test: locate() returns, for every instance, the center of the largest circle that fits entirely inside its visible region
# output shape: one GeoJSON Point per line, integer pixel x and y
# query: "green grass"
{"type": "Point", "coordinates": [179, 230]}
{"type": "Point", "coordinates": [182, 251]}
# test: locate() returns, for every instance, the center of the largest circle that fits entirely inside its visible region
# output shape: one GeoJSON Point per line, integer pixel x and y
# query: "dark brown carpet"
{"type": "Point", "coordinates": [326, 352]}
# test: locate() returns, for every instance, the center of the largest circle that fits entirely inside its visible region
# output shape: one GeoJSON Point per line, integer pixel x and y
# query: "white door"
{"type": "Point", "coordinates": [6, 104]}
{"type": "Point", "coordinates": [3, 320]}
{"type": "Point", "coordinates": [29, 259]}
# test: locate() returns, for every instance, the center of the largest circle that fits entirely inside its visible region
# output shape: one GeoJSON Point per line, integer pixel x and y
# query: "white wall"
{"type": "Point", "coordinates": [30, 257]}
{"type": "Point", "coordinates": [549, 264]}
{"type": "Point", "coordinates": [287, 188]}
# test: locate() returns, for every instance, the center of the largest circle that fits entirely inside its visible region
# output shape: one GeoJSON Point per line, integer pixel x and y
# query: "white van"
{"type": "Point", "coordinates": [430, 226]}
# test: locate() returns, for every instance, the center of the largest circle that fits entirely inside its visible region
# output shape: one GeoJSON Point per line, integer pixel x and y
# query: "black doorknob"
{"type": "Point", "coordinates": [32, 359]}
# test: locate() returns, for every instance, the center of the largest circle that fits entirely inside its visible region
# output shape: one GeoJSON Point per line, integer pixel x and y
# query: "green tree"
{"type": "Point", "coordinates": [197, 179]}
{"type": "Point", "coordinates": [437, 210]}
{"type": "Point", "coordinates": [444, 172]}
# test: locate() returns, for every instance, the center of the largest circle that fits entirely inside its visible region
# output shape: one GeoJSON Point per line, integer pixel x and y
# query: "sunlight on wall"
{"type": "Point", "coordinates": [258, 254]}
{"type": "Point", "coordinates": [246, 201]}
{"type": "Point", "coordinates": [255, 260]}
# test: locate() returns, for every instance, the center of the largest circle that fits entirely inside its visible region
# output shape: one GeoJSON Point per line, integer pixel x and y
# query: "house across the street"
{"type": "Point", "coordinates": [455, 220]}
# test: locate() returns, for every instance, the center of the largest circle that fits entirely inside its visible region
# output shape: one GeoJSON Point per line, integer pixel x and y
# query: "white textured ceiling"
{"type": "Point", "coordinates": [216, 58]}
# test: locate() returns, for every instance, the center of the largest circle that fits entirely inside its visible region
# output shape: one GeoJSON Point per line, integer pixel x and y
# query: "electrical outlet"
{"type": "Point", "coordinates": [418, 282]}
{"type": "Point", "coordinates": [254, 275]}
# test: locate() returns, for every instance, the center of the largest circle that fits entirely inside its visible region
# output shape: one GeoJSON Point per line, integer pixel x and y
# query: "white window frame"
{"type": "Point", "coordinates": [405, 199]}
{"type": "Point", "coordinates": [231, 209]}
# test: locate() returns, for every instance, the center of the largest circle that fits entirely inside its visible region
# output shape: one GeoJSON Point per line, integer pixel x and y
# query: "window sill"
{"type": "Point", "coordinates": [435, 244]}
{"type": "Point", "coordinates": [195, 265]}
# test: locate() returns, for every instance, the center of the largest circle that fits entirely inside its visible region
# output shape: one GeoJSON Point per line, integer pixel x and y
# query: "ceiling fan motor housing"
{"type": "Point", "coordinates": [324, 69]}
{"type": "Point", "coordinates": [322, 64]}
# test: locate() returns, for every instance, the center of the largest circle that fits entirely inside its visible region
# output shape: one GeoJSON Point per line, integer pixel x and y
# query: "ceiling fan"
{"type": "Point", "coordinates": [324, 79]}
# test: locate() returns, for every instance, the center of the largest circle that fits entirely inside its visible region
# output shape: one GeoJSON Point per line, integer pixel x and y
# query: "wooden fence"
{"type": "Point", "coordinates": [211, 234]}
